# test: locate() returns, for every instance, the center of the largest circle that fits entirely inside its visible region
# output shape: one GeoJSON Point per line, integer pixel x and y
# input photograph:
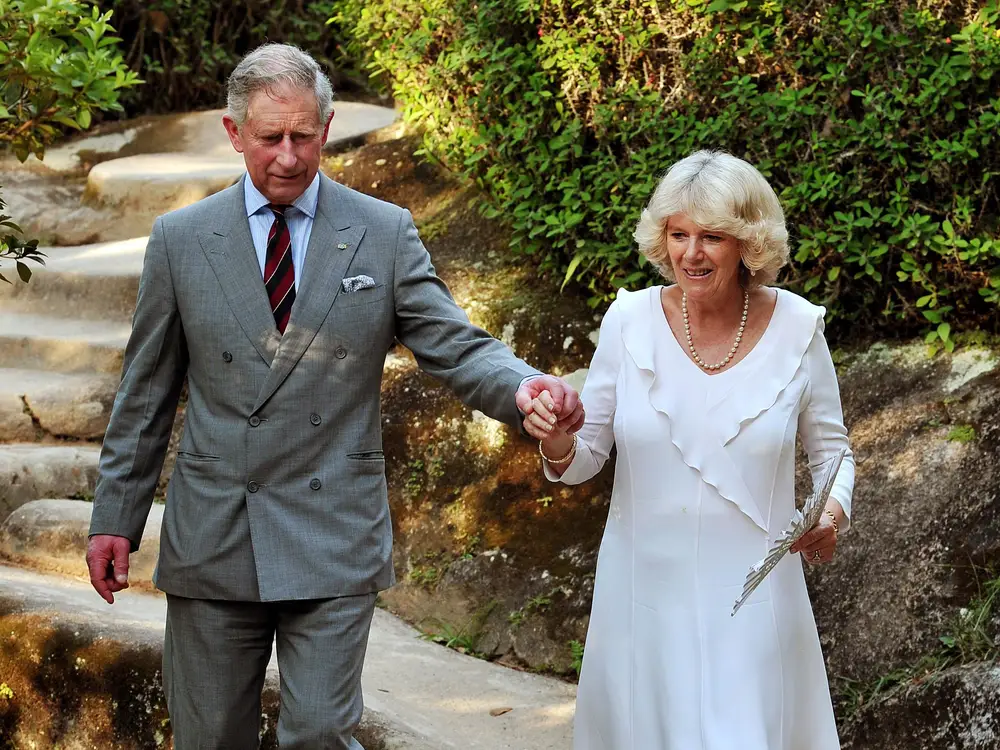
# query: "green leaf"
{"type": "Point", "coordinates": [24, 272]}
{"type": "Point", "coordinates": [571, 269]}
{"type": "Point", "coordinates": [719, 6]}
{"type": "Point", "coordinates": [944, 330]}
{"type": "Point", "coordinates": [83, 118]}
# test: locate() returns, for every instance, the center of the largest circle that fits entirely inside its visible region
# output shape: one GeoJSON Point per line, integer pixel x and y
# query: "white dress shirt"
{"type": "Point", "coordinates": [299, 219]}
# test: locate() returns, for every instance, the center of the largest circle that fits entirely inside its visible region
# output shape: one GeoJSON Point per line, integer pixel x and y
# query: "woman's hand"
{"type": "Point", "coordinates": [819, 544]}
{"type": "Point", "coordinates": [541, 423]}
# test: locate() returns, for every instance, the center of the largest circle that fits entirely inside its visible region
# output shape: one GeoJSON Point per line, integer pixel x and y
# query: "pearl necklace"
{"type": "Point", "coordinates": [736, 344]}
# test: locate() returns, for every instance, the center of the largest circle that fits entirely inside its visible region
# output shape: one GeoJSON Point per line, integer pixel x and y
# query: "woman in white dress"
{"type": "Point", "coordinates": [703, 386]}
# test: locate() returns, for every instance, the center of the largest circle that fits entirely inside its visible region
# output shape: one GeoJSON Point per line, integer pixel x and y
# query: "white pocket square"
{"type": "Point", "coordinates": [357, 283]}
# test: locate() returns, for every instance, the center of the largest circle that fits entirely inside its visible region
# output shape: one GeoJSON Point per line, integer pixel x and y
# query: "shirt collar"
{"type": "Point", "coordinates": [306, 203]}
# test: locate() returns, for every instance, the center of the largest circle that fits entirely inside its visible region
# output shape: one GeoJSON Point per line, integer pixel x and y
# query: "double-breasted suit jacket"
{"type": "Point", "coordinates": [279, 489]}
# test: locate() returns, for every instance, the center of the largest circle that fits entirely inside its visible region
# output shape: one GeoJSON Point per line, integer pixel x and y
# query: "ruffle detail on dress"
{"type": "Point", "coordinates": [773, 373]}
{"type": "Point", "coordinates": [691, 433]}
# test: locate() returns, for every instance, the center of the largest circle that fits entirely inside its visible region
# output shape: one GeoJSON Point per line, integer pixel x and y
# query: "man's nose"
{"type": "Point", "coordinates": [286, 152]}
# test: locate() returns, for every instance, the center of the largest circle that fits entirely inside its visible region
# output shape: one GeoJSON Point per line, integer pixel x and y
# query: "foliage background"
{"type": "Point", "coordinates": [59, 66]}
{"type": "Point", "coordinates": [877, 122]}
{"type": "Point", "coordinates": [186, 49]}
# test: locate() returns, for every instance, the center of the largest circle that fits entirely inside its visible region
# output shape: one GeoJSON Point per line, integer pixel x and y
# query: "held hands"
{"type": "Point", "coordinates": [819, 544]}
{"type": "Point", "coordinates": [551, 407]}
{"type": "Point", "coordinates": [557, 446]}
{"type": "Point", "coordinates": [107, 559]}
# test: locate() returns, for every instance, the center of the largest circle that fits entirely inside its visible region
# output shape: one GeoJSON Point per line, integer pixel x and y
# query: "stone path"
{"type": "Point", "coordinates": [61, 342]}
{"type": "Point", "coordinates": [427, 692]}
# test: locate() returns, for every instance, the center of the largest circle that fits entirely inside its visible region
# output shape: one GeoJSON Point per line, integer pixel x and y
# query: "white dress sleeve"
{"type": "Point", "coordinates": [821, 423]}
{"type": "Point", "coordinates": [600, 399]}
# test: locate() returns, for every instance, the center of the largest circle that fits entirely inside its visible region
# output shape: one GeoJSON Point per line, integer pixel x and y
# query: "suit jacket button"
{"type": "Point", "coordinates": [254, 421]}
{"type": "Point", "coordinates": [315, 418]}
{"type": "Point", "coordinates": [341, 352]}
{"type": "Point", "coordinates": [315, 484]}
{"type": "Point", "coordinates": [227, 357]}
{"type": "Point", "coordinates": [253, 486]}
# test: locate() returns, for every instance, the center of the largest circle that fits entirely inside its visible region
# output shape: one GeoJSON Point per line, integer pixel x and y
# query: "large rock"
{"type": "Point", "coordinates": [31, 472]}
{"type": "Point", "coordinates": [956, 710]}
{"type": "Point", "coordinates": [926, 523]}
{"type": "Point", "coordinates": [51, 536]}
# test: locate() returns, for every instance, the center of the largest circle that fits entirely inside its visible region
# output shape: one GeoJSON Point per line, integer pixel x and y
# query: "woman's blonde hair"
{"type": "Point", "coordinates": [717, 191]}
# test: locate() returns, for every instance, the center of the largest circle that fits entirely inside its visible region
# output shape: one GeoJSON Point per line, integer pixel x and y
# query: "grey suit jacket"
{"type": "Point", "coordinates": [279, 490]}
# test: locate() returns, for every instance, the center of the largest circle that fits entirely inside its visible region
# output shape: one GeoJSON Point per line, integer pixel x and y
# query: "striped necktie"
{"type": "Point", "coordinates": [279, 274]}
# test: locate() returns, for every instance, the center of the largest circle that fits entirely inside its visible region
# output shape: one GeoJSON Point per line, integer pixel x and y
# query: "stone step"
{"type": "Point", "coordinates": [419, 696]}
{"type": "Point", "coordinates": [33, 471]}
{"type": "Point", "coordinates": [98, 281]}
{"type": "Point", "coordinates": [193, 132]}
{"type": "Point", "coordinates": [38, 403]}
{"type": "Point", "coordinates": [100, 681]}
{"type": "Point", "coordinates": [61, 344]}
{"type": "Point", "coordinates": [50, 536]}
{"type": "Point", "coordinates": [199, 163]}
{"type": "Point", "coordinates": [152, 184]}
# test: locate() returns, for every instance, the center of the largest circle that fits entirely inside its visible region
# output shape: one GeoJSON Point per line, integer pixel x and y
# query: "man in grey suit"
{"type": "Point", "coordinates": [278, 299]}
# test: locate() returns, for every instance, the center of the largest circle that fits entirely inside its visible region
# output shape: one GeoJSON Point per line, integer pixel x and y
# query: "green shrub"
{"type": "Point", "coordinates": [877, 122]}
{"type": "Point", "coordinates": [59, 64]}
{"type": "Point", "coordinates": [186, 49]}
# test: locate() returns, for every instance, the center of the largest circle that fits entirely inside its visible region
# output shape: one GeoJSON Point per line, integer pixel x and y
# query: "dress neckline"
{"type": "Point", "coordinates": [764, 340]}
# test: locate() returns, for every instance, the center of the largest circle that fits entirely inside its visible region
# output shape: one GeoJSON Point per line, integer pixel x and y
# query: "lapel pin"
{"type": "Point", "coordinates": [342, 246]}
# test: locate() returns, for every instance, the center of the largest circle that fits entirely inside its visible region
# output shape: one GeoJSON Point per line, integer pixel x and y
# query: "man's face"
{"type": "Point", "coordinates": [281, 142]}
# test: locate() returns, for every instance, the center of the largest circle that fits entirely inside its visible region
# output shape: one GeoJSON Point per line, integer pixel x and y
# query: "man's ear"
{"type": "Point", "coordinates": [326, 129]}
{"type": "Point", "coordinates": [233, 131]}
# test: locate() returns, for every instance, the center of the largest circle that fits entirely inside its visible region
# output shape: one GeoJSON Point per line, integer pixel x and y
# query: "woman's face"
{"type": "Point", "coordinates": [706, 263]}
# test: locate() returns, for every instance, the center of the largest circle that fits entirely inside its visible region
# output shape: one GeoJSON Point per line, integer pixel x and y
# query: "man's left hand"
{"type": "Point", "coordinates": [565, 401]}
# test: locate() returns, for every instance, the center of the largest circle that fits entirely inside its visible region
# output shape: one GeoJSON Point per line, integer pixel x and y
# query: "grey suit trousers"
{"type": "Point", "coordinates": [215, 658]}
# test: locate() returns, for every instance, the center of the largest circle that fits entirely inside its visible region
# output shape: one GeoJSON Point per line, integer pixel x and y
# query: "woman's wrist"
{"type": "Point", "coordinates": [557, 449]}
{"type": "Point", "coordinates": [835, 512]}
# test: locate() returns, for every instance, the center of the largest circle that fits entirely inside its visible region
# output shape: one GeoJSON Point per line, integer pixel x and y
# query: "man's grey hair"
{"type": "Point", "coordinates": [272, 67]}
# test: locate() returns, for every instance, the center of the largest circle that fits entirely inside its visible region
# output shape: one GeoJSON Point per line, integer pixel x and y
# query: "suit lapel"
{"type": "Point", "coordinates": [233, 258]}
{"type": "Point", "coordinates": [332, 245]}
